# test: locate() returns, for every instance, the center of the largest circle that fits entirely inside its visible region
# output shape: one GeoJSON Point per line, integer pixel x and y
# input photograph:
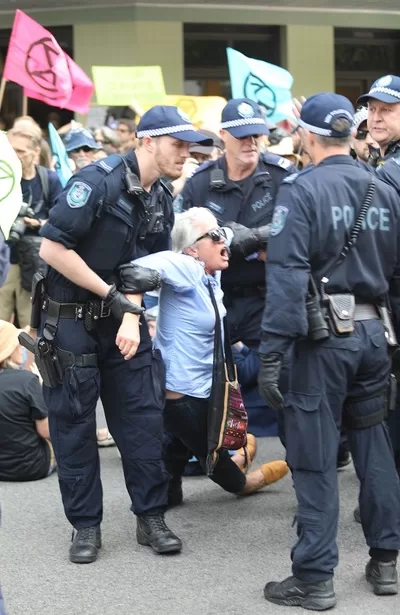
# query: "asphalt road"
{"type": "Point", "coordinates": [232, 547]}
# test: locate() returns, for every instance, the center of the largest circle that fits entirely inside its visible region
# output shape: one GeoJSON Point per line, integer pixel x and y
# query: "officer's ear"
{"type": "Point", "coordinates": [148, 143]}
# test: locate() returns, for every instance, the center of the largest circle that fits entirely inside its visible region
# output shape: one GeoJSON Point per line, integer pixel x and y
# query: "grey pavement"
{"type": "Point", "coordinates": [232, 547]}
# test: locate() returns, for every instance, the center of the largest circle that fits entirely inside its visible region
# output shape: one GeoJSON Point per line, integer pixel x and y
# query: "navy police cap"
{"type": "Point", "coordinates": [320, 111]}
{"type": "Point", "coordinates": [164, 120]}
{"type": "Point", "coordinates": [242, 117]}
{"type": "Point", "coordinates": [385, 89]}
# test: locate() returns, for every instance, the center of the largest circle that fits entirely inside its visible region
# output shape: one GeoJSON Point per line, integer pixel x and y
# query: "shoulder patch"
{"type": "Point", "coordinates": [277, 161]}
{"type": "Point", "coordinates": [278, 220]}
{"type": "Point", "coordinates": [78, 195]}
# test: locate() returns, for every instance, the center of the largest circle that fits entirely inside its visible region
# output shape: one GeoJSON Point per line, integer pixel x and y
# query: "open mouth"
{"type": "Point", "coordinates": [225, 253]}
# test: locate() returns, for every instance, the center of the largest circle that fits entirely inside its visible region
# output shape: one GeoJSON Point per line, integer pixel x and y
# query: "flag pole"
{"type": "Point", "coordinates": [2, 90]}
{"type": "Point", "coordinates": [24, 105]}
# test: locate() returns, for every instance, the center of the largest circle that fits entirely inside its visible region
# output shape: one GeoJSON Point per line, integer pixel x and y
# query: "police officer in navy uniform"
{"type": "Point", "coordinates": [240, 188]}
{"type": "Point", "coordinates": [110, 213]}
{"type": "Point", "coordinates": [315, 212]}
{"type": "Point", "coordinates": [383, 100]}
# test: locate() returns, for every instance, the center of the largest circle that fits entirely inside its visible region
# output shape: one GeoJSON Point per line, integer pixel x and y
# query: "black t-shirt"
{"type": "Point", "coordinates": [24, 455]}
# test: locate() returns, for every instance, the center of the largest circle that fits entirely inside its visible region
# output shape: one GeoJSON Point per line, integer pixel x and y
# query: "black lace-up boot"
{"type": "Point", "coordinates": [85, 543]}
{"type": "Point", "coordinates": [153, 532]}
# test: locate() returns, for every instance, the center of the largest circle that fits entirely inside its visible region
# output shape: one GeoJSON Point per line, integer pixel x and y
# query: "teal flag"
{"type": "Point", "coordinates": [57, 147]}
{"type": "Point", "coordinates": [265, 83]}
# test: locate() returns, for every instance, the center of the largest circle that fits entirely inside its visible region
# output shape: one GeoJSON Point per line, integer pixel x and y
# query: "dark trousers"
{"type": "Point", "coordinates": [350, 372]}
{"type": "Point", "coordinates": [185, 421]}
{"type": "Point", "coordinates": [132, 393]}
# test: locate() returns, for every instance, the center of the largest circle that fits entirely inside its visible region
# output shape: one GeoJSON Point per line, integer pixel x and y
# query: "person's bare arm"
{"type": "Point", "coordinates": [42, 428]}
{"type": "Point", "coordinates": [72, 266]}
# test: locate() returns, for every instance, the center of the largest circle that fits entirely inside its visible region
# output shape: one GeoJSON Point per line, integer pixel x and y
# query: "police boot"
{"type": "Point", "coordinates": [314, 596]}
{"type": "Point", "coordinates": [153, 532]}
{"type": "Point", "coordinates": [85, 543]}
{"type": "Point", "coordinates": [382, 576]}
{"type": "Point", "coordinates": [175, 493]}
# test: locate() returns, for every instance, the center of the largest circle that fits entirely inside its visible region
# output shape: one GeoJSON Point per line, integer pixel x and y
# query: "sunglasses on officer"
{"type": "Point", "coordinates": [362, 134]}
{"type": "Point", "coordinates": [248, 137]}
{"type": "Point", "coordinates": [215, 235]}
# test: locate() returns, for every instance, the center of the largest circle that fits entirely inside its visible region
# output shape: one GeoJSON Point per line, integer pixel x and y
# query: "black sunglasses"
{"type": "Point", "coordinates": [248, 136]}
{"type": "Point", "coordinates": [362, 134]}
{"type": "Point", "coordinates": [84, 148]}
{"type": "Point", "coordinates": [215, 235]}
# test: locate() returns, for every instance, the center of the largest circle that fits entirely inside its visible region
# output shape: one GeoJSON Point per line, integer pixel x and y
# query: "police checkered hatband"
{"type": "Point", "coordinates": [168, 130]}
{"type": "Point", "coordinates": [246, 121]}
{"type": "Point", "coordinates": [324, 132]}
{"type": "Point", "coordinates": [385, 91]}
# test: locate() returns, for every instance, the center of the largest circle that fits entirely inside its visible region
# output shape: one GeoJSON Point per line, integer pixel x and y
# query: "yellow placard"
{"type": "Point", "coordinates": [120, 85]}
{"type": "Point", "coordinates": [202, 110]}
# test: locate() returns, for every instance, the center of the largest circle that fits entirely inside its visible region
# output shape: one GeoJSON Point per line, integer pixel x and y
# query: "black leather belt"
{"type": "Point", "coordinates": [76, 310]}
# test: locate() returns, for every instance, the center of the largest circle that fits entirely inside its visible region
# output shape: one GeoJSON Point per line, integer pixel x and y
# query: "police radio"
{"type": "Point", "coordinates": [132, 182]}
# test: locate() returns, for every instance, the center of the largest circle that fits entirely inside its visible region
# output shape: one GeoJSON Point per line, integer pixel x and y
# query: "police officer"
{"type": "Point", "coordinates": [383, 102]}
{"type": "Point", "coordinates": [109, 213]}
{"type": "Point", "coordinates": [240, 187]}
{"type": "Point", "coordinates": [348, 367]}
{"type": "Point", "coordinates": [363, 144]}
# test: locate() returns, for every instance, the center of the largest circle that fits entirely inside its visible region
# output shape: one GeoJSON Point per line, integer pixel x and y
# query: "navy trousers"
{"type": "Point", "coordinates": [349, 372]}
{"type": "Point", "coordinates": [132, 393]}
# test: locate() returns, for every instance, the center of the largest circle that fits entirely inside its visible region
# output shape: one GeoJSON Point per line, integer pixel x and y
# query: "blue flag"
{"type": "Point", "coordinates": [57, 147]}
{"type": "Point", "coordinates": [265, 83]}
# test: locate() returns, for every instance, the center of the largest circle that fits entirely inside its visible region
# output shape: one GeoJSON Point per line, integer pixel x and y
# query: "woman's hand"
{"type": "Point", "coordinates": [128, 336]}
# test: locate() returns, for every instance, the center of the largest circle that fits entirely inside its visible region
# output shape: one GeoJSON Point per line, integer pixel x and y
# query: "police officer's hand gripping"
{"type": "Point", "coordinates": [92, 337]}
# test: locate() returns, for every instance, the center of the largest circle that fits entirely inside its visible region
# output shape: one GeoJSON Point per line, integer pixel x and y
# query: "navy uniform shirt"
{"type": "Point", "coordinates": [315, 210]}
{"type": "Point", "coordinates": [249, 202]}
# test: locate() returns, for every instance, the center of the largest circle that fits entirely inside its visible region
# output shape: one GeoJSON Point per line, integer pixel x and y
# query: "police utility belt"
{"type": "Point", "coordinates": [337, 313]}
{"type": "Point", "coordinates": [51, 360]}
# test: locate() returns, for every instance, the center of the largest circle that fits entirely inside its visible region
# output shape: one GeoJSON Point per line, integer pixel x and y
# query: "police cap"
{"type": "Point", "coordinates": [320, 111]}
{"type": "Point", "coordinates": [242, 117]}
{"type": "Point", "coordinates": [167, 120]}
{"type": "Point", "coordinates": [385, 89]}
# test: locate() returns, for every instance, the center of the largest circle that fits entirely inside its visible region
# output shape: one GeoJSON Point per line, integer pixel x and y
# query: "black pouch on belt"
{"type": "Point", "coordinates": [92, 315]}
{"type": "Point", "coordinates": [341, 309]}
{"type": "Point", "coordinates": [37, 299]}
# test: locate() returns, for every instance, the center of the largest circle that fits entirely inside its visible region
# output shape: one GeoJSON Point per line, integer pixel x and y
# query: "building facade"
{"type": "Point", "coordinates": [342, 49]}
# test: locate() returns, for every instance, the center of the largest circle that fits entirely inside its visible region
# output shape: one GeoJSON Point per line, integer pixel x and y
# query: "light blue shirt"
{"type": "Point", "coordinates": [186, 321]}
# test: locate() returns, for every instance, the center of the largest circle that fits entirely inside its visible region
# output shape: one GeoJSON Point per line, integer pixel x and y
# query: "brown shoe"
{"type": "Point", "coordinates": [267, 474]}
{"type": "Point", "coordinates": [274, 471]}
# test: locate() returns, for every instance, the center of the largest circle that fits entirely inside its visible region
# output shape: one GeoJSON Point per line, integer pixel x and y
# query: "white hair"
{"type": "Point", "coordinates": [186, 228]}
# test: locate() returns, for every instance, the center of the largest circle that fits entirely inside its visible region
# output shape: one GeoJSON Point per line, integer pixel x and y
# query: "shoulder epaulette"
{"type": "Point", "coordinates": [277, 161]}
{"type": "Point", "coordinates": [290, 179]}
{"type": "Point", "coordinates": [109, 163]}
{"type": "Point", "coordinates": [204, 166]}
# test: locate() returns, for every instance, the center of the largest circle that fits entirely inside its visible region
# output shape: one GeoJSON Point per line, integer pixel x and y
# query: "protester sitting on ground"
{"type": "Point", "coordinates": [25, 449]}
{"type": "Point", "coordinates": [185, 337]}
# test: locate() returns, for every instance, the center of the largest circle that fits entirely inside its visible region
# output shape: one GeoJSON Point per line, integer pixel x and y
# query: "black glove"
{"type": "Point", "coordinates": [245, 240]}
{"type": "Point", "coordinates": [120, 305]}
{"type": "Point", "coordinates": [136, 279]}
{"type": "Point", "coordinates": [268, 380]}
